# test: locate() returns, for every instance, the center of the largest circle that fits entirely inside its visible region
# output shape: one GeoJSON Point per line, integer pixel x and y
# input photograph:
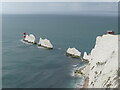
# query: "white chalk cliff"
{"type": "Point", "coordinates": [102, 69]}
{"type": "Point", "coordinates": [74, 52]}
{"type": "Point", "coordinates": [45, 43]}
{"type": "Point", "coordinates": [30, 38]}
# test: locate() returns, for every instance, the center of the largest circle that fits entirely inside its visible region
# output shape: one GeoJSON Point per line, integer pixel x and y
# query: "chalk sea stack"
{"type": "Point", "coordinates": [45, 43]}
{"type": "Point", "coordinates": [29, 38]}
{"type": "Point", "coordinates": [73, 52]}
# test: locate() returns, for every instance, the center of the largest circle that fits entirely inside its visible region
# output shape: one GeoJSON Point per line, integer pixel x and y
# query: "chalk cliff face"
{"type": "Point", "coordinates": [102, 69]}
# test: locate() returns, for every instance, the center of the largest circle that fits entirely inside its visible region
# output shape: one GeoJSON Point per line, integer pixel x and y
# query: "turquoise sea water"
{"type": "Point", "coordinates": [27, 66]}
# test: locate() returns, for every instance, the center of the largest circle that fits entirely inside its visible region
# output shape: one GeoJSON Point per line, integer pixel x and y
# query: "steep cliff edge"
{"type": "Point", "coordinates": [102, 69]}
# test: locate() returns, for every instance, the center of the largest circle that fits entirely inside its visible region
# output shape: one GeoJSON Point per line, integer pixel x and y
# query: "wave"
{"type": "Point", "coordinates": [80, 83]}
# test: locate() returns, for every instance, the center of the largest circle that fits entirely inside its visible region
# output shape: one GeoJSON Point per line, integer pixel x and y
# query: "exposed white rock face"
{"type": "Point", "coordinates": [30, 38]}
{"type": "Point", "coordinates": [74, 52]}
{"type": "Point", "coordinates": [45, 43]}
{"type": "Point", "coordinates": [102, 69]}
{"type": "Point", "coordinates": [26, 38]}
{"type": "Point", "coordinates": [85, 56]}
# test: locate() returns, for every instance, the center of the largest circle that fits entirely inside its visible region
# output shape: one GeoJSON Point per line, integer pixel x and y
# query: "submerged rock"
{"type": "Point", "coordinates": [78, 73]}
{"type": "Point", "coordinates": [73, 52]}
{"type": "Point", "coordinates": [45, 43]}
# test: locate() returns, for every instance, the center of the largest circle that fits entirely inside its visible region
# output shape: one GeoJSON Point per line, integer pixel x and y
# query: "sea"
{"type": "Point", "coordinates": [29, 66]}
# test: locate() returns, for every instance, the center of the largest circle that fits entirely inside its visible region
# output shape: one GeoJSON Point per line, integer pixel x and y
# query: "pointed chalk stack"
{"type": "Point", "coordinates": [86, 57]}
